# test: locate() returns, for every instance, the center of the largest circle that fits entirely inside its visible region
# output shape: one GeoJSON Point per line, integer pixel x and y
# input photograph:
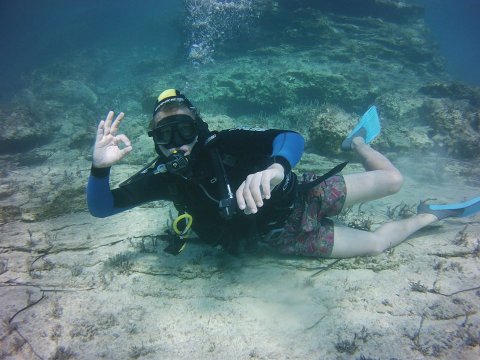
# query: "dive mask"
{"type": "Point", "coordinates": [174, 131]}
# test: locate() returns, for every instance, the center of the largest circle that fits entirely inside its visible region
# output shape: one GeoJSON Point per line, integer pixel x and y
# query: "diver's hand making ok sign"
{"type": "Point", "coordinates": [257, 187]}
{"type": "Point", "coordinates": [109, 147]}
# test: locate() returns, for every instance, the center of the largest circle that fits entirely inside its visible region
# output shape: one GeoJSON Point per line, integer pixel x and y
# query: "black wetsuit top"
{"type": "Point", "coordinates": [243, 152]}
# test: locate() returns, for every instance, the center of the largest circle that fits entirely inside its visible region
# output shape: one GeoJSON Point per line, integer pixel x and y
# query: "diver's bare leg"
{"type": "Point", "coordinates": [380, 179]}
{"type": "Point", "coordinates": [352, 242]}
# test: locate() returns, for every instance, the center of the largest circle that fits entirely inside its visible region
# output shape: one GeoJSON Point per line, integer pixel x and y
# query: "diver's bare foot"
{"type": "Point", "coordinates": [358, 142]}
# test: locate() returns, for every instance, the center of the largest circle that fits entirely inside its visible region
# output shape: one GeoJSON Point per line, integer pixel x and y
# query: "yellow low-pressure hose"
{"type": "Point", "coordinates": [188, 224]}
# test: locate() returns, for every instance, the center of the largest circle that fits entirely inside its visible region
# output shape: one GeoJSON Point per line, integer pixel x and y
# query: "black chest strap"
{"type": "Point", "coordinates": [307, 186]}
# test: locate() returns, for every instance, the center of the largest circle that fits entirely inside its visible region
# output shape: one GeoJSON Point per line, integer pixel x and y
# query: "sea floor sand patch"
{"type": "Point", "coordinates": [79, 287]}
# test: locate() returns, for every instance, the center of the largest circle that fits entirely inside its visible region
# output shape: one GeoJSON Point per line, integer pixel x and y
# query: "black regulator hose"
{"type": "Point", "coordinates": [227, 205]}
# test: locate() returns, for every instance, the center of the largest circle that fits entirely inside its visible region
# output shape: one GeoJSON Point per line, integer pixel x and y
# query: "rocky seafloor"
{"type": "Point", "coordinates": [73, 286]}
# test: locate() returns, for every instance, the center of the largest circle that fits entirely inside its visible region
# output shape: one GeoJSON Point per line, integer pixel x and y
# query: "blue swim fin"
{"type": "Point", "coordinates": [368, 127]}
{"type": "Point", "coordinates": [464, 209]}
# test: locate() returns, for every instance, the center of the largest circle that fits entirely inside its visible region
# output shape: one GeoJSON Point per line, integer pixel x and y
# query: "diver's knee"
{"type": "Point", "coordinates": [375, 245]}
{"type": "Point", "coordinates": [379, 248]}
{"type": "Point", "coordinates": [395, 181]}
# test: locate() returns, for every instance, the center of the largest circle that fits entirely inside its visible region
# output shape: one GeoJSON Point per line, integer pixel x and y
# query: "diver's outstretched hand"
{"type": "Point", "coordinates": [107, 149]}
{"type": "Point", "coordinates": [258, 186]}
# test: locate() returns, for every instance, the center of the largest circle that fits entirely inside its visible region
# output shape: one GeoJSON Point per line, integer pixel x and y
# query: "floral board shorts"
{"type": "Point", "coordinates": [308, 231]}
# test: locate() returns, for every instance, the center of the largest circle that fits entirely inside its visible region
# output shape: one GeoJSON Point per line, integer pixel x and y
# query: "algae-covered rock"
{"type": "Point", "coordinates": [218, 122]}
{"type": "Point", "coordinates": [455, 91]}
{"type": "Point", "coordinates": [400, 107]}
{"type": "Point", "coordinates": [419, 138]}
{"type": "Point", "coordinates": [329, 129]}
{"type": "Point", "coordinates": [391, 10]}
{"type": "Point", "coordinates": [56, 95]}
{"type": "Point", "coordinates": [74, 91]}
{"type": "Point", "coordinates": [406, 139]}
{"type": "Point", "coordinates": [332, 52]}
{"type": "Point", "coordinates": [22, 128]}
{"type": "Point", "coordinates": [452, 111]}
{"type": "Point", "coordinates": [9, 213]}
{"type": "Point", "coordinates": [249, 85]}
{"type": "Point", "coordinates": [456, 125]}
{"type": "Point", "coordinates": [403, 126]}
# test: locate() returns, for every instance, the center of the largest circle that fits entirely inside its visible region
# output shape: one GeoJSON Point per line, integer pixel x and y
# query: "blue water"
{"type": "Point", "coordinates": [35, 33]}
{"type": "Point", "coordinates": [455, 26]}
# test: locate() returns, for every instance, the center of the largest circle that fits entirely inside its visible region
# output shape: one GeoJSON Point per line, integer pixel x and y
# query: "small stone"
{"type": "Point", "coordinates": [29, 217]}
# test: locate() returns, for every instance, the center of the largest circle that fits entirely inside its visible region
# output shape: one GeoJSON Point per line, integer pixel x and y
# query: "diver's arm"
{"type": "Point", "coordinates": [106, 152]}
{"type": "Point", "coordinates": [103, 202]}
{"type": "Point", "coordinates": [287, 149]}
{"type": "Point", "coordinates": [100, 199]}
{"type": "Point", "coordinates": [288, 146]}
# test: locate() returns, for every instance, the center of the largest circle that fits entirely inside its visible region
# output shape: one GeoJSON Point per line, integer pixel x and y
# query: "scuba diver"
{"type": "Point", "coordinates": [236, 187]}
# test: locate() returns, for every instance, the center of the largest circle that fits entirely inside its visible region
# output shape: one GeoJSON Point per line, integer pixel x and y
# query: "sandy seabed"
{"type": "Point", "coordinates": [84, 288]}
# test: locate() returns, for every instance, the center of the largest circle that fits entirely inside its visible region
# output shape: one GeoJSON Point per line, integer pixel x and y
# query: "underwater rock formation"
{"type": "Point", "coordinates": [280, 55]}
{"type": "Point", "coordinates": [455, 120]}
{"type": "Point", "coordinates": [21, 129]}
{"type": "Point", "coordinates": [70, 92]}
{"type": "Point", "coordinates": [329, 128]}
{"type": "Point", "coordinates": [347, 55]}
{"type": "Point", "coordinates": [440, 117]}
{"type": "Point", "coordinates": [390, 10]}
{"type": "Point", "coordinates": [326, 51]}
{"type": "Point", "coordinates": [77, 91]}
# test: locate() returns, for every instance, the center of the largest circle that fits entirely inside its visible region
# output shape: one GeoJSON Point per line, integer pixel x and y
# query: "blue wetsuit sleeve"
{"type": "Point", "coordinates": [288, 145]}
{"type": "Point", "coordinates": [100, 199]}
